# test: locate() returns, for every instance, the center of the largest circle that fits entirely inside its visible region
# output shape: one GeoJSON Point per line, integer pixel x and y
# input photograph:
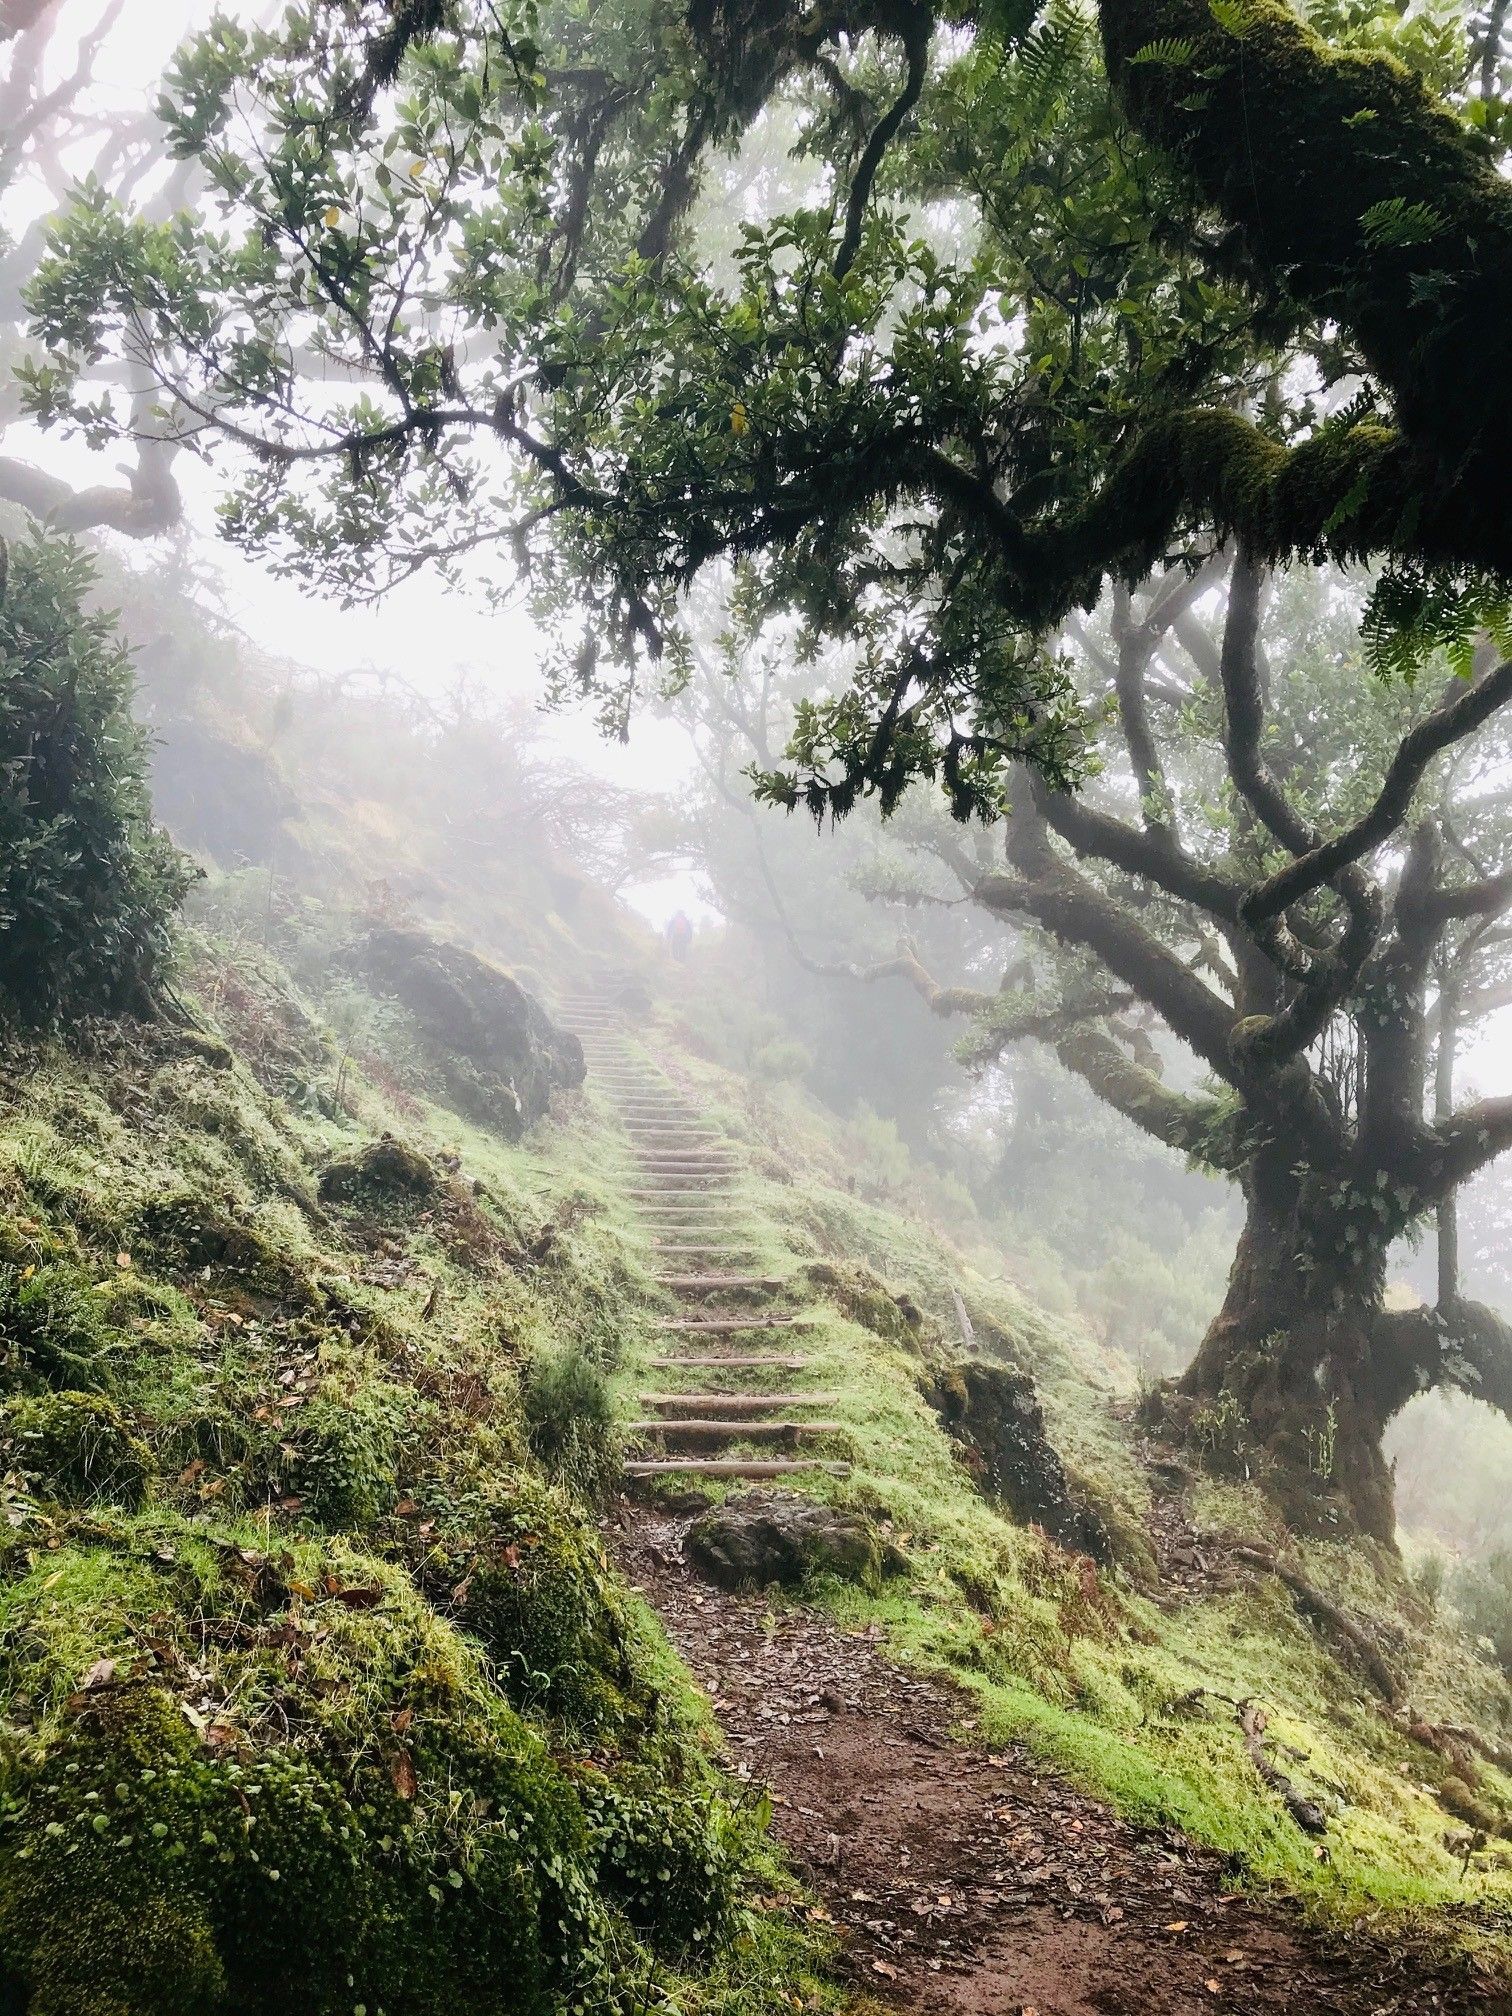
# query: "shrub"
{"type": "Point", "coordinates": [569, 1421]}
{"type": "Point", "coordinates": [88, 885]}
{"type": "Point", "coordinates": [78, 1447]}
{"type": "Point", "coordinates": [1482, 1593]}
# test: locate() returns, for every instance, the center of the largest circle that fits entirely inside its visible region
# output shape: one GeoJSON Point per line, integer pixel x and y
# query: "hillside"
{"type": "Point", "coordinates": [296, 1346]}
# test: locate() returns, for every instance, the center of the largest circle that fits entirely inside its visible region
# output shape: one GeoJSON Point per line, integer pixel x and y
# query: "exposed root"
{"type": "Point", "coordinates": [1252, 1723]}
{"type": "Point", "coordinates": [1325, 1611]}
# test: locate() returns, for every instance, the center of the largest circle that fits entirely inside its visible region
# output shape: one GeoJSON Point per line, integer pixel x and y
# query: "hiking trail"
{"type": "Point", "coordinates": [957, 1878]}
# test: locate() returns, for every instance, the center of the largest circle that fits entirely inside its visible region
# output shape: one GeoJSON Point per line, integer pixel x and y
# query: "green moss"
{"type": "Point", "coordinates": [672, 1859]}
{"type": "Point", "coordinates": [54, 1330]}
{"type": "Point", "coordinates": [340, 1455]}
{"type": "Point", "coordinates": [77, 1447]}
{"type": "Point", "coordinates": [535, 1591]}
{"type": "Point", "coordinates": [388, 1172]}
{"type": "Point", "coordinates": [186, 1234]}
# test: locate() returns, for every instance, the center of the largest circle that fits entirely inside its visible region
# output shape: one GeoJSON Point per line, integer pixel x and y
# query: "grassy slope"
{"type": "Point", "coordinates": [1137, 1701]}
{"type": "Point", "coordinates": [335, 1481]}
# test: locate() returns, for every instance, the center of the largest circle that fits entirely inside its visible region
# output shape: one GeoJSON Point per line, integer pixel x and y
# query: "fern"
{"type": "Point", "coordinates": [1415, 612]}
{"type": "Point", "coordinates": [1234, 17]}
{"type": "Point", "coordinates": [1396, 222]}
{"type": "Point", "coordinates": [1171, 49]}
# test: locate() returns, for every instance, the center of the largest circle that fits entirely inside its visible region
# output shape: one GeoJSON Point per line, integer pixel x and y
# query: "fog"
{"type": "Point", "coordinates": [821, 954]}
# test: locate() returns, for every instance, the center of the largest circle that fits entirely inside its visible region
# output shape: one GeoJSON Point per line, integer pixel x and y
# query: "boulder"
{"type": "Point", "coordinates": [385, 1171]}
{"type": "Point", "coordinates": [494, 1046]}
{"type": "Point", "coordinates": [221, 796]}
{"type": "Point", "coordinates": [993, 1413]}
{"type": "Point", "coordinates": [751, 1542]}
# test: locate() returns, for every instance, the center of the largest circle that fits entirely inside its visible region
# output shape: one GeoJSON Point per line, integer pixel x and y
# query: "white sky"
{"type": "Point", "coordinates": [423, 631]}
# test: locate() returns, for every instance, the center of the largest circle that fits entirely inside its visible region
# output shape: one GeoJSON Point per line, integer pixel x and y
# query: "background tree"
{"type": "Point", "coordinates": [54, 131]}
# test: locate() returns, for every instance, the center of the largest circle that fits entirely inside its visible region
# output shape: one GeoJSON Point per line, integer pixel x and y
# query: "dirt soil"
{"type": "Point", "coordinates": [966, 1880]}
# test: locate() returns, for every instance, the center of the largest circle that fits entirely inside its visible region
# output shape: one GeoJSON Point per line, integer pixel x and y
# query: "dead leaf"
{"type": "Point", "coordinates": [402, 1720]}
{"type": "Point", "coordinates": [356, 1596]}
{"type": "Point", "coordinates": [101, 1674]}
{"type": "Point", "coordinates": [402, 1771]}
{"type": "Point", "coordinates": [123, 1260]}
{"type": "Point", "coordinates": [1179, 1925]}
{"type": "Point", "coordinates": [885, 1967]}
{"type": "Point", "coordinates": [1213, 1986]}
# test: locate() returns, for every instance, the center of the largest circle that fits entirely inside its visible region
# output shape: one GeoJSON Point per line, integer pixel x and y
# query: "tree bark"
{"type": "Point", "coordinates": [1288, 1386]}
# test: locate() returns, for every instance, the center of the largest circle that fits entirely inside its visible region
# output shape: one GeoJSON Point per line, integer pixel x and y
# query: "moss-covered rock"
{"type": "Point", "coordinates": [493, 1045]}
{"type": "Point", "coordinates": [994, 1415]}
{"type": "Point", "coordinates": [866, 1299]}
{"type": "Point", "coordinates": [143, 1873]}
{"type": "Point", "coordinates": [77, 1448]}
{"type": "Point", "coordinates": [387, 1172]}
{"type": "Point", "coordinates": [535, 1591]}
{"type": "Point", "coordinates": [778, 1538]}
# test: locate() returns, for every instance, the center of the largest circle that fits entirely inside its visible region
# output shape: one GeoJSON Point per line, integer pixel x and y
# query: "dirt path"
{"type": "Point", "coordinates": [967, 1881]}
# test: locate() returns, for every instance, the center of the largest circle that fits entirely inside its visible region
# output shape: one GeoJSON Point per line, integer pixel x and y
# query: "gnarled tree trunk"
{"type": "Point", "coordinates": [1290, 1385]}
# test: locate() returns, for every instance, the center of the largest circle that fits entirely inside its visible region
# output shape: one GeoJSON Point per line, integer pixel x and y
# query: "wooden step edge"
{"type": "Point", "coordinates": [678, 1325]}
{"type": "Point", "coordinates": [708, 1362]}
{"type": "Point", "coordinates": [716, 1466]}
{"type": "Point", "coordinates": [736, 1403]}
{"type": "Point", "coordinates": [749, 1431]}
{"type": "Point", "coordinates": [771, 1282]}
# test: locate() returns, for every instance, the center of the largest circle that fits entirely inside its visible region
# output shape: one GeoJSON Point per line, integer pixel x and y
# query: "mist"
{"type": "Point", "coordinates": [755, 1066]}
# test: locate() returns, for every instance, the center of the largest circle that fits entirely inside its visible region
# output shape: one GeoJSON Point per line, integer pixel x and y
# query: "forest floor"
{"type": "Point", "coordinates": [962, 1879]}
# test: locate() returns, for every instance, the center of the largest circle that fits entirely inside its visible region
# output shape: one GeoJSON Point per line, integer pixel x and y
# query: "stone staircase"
{"type": "Point", "coordinates": [688, 1201]}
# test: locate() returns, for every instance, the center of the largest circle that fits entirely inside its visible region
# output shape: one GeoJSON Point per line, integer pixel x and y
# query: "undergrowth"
{"type": "Point", "coordinates": [319, 1693]}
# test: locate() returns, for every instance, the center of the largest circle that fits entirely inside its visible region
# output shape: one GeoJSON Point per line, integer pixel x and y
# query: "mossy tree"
{"type": "Point", "coordinates": [1298, 874]}
{"type": "Point", "coordinates": [1039, 305]}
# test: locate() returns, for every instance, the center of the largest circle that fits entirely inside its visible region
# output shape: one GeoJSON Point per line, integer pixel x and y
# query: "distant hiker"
{"type": "Point", "coordinates": [680, 935]}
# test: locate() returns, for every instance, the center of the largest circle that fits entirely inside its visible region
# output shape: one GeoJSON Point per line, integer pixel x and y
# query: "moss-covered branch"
{"type": "Point", "coordinates": [1348, 188]}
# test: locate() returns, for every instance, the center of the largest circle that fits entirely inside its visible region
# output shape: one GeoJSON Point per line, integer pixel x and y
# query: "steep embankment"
{"type": "Point", "coordinates": [317, 1695]}
{"type": "Point", "coordinates": [1296, 1709]}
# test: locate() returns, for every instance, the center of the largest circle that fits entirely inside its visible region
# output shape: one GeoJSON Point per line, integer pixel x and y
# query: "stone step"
{"type": "Point", "coordinates": [735, 1431]}
{"type": "Point", "coordinates": [722, 1466]}
{"type": "Point", "coordinates": [734, 1403]}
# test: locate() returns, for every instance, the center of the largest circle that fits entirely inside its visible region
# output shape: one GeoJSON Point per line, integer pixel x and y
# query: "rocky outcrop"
{"type": "Point", "coordinates": [750, 1543]}
{"type": "Point", "coordinates": [993, 1413]}
{"type": "Point", "coordinates": [491, 1043]}
{"type": "Point", "coordinates": [221, 796]}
